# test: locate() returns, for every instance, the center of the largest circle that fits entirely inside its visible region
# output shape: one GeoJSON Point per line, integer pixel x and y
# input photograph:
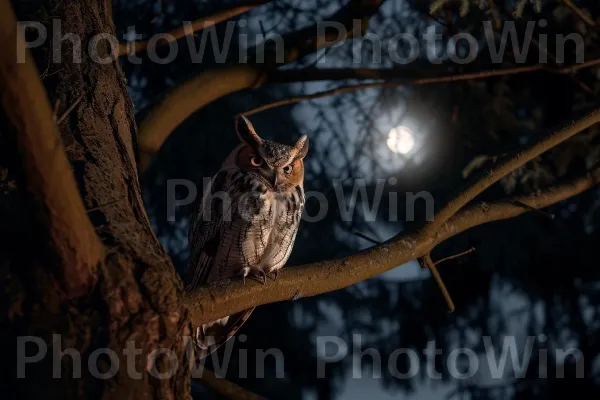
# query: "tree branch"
{"type": "Point", "coordinates": [580, 13]}
{"type": "Point", "coordinates": [185, 99]}
{"type": "Point", "coordinates": [483, 213]}
{"type": "Point", "coordinates": [47, 169]}
{"type": "Point", "coordinates": [308, 40]}
{"type": "Point", "coordinates": [429, 264]}
{"type": "Point", "coordinates": [315, 74]}
{"type": "Point", "coordinates": [519, 159]}
{"type": "Point", "coordinates": [464, 253]}
{"type": "Point", "coordinates": [421, 74]}
{"type": "Point", "coordinates": [226, 297]}
{"type": "Point", "coordinates": [212, 85]}
{"type": "Point", "coordinates": [196, 25]}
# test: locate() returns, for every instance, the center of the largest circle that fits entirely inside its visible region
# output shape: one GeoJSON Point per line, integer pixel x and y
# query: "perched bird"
{"type": "Point", "coordinates": [245, 224]}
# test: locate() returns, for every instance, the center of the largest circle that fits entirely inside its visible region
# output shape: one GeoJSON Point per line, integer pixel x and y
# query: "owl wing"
{"type": "Point", "coordinates": [226, 236]}
{"type": "Point", "coordinates": [206, 228]}
{"type": "Point", "coordinates": [285, 228]}
{"type": "Point", "coordinates": [221, 243]}
{"type": "Point", "coordinates": [245, 237]}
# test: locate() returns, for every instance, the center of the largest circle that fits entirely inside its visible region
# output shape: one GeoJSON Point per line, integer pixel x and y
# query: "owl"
{"type": "Point", "coordinates": [245, 225]}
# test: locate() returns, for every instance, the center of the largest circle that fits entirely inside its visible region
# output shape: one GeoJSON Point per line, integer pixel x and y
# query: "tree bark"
{"type": "Point", "coordinates": [137, 295]}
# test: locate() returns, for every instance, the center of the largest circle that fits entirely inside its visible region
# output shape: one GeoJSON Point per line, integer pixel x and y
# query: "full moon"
{"type": "Point", "coordinates": [400, 140]}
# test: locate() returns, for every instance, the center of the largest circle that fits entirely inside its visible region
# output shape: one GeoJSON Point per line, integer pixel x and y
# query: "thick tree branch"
{"type": "Point", "coordinates": [212, 85]}
{"type": "Point", "coordinates": [497, 172]}
{"type": "Point", "coordinates": [188, 97]}
{"type": "Point", "coordinates": [47, 169]}
{"type": "Point", "coordinates": [483, 213]}
{"type": "Point", "coordinates": [196, 25]}
{"type": "Point", "coordinates": [224, 298]}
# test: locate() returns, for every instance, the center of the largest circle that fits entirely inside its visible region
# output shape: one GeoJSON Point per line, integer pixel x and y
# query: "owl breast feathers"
{"type": "Point", "coordinates": [246, 223]}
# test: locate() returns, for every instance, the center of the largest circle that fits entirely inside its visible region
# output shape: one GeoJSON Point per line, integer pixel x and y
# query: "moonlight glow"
{"type": "Point", "coordinates": [400, 140]}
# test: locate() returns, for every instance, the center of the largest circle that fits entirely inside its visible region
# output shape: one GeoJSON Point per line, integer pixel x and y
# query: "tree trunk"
{"type": "Point", "coordinates": [135, 303]}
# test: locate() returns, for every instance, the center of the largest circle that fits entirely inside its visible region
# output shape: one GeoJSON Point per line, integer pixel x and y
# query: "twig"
{"type": "Point", "coordinates": [47, 169]}
{"type": "Point", "coordinates": [464, 253]}
{"type": "Point", "coordinates": [396, 84]}
{"type": "Point", "coordinates": [438, 279]}
{"type": "Point", "coordinates": [110, 203]}
{"type": "Point", "coordinates": [367, 238]}
{"type": "Point", "coordinates": [545, 214]}
{"type": "Point", "coordinates": [580, 13]}
{"type": "Point", "coordinates": [226, 388]}
{"type": "Point", "coordinates": [66, 113]}
{"type": "Point", "coordinates": [197, 25]}
{"type": "Point", "coordinates": [576, 80]}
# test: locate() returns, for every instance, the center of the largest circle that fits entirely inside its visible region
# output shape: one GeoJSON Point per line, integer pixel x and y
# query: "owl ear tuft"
{"type": "Point", "coordinates": [301, 147]}
{"type": "Point", "coordinates": [245, 131]}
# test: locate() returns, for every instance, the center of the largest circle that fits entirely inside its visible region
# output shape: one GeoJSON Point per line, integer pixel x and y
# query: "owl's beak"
{"type": "Point", "coordinates": [270, 176]}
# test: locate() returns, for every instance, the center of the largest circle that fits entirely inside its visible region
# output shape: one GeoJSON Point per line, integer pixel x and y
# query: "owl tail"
{"type": "Point", "coordinates": [209, 337]}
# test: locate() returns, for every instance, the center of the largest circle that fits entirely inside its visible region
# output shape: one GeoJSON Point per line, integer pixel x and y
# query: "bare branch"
{"type": "Point", "coordinates": [580, 13]}
{"type": "Point", "coordinates": [223, 298]}
{"type": "Point", "coordinates": [421, 74]}
{"type": "Point", "coordinates": [47, 169]}
{"type": "Point", "coordinates": [429, 264]}
{"type": "Point", "coordinates": [464, 253]}
{"type": "Point", "coordinates": [188, 97]}
{"type": "Point", "coordinates": [314, 74]}
{"type": "Point", "coordinates": [540, 212]}
{"type": "Point", "coordinates": [367, 238]}
{"type": "Point", "coordinates": [212, 85]}
{"type": "Point", "coordinates": [497, 172]}
{"type": "Point", "coordinates": [307, 40]}
{"type": "Point", "coordinates": [196, 25]}
{"type": "Point", "coordinates": [483, 213]}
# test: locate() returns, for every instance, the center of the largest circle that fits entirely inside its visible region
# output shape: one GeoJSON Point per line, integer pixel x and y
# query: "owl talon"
{"type": "Point", "coordinates": [275, 275]}
{"type": "Point", "coordinates": [263, 275]}
{"type": "Point", "coordinates": [255, 274]}
{"type": "Point", "coordinates": [258, 279]}
{"type": "Point", "coordinates": [244, 273]}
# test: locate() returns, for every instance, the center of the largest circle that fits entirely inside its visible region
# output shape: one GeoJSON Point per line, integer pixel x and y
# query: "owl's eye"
{"type": "Point", "coordinates": [287, 169]}
{"type": "Point", "coordinates": [256, 161]}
